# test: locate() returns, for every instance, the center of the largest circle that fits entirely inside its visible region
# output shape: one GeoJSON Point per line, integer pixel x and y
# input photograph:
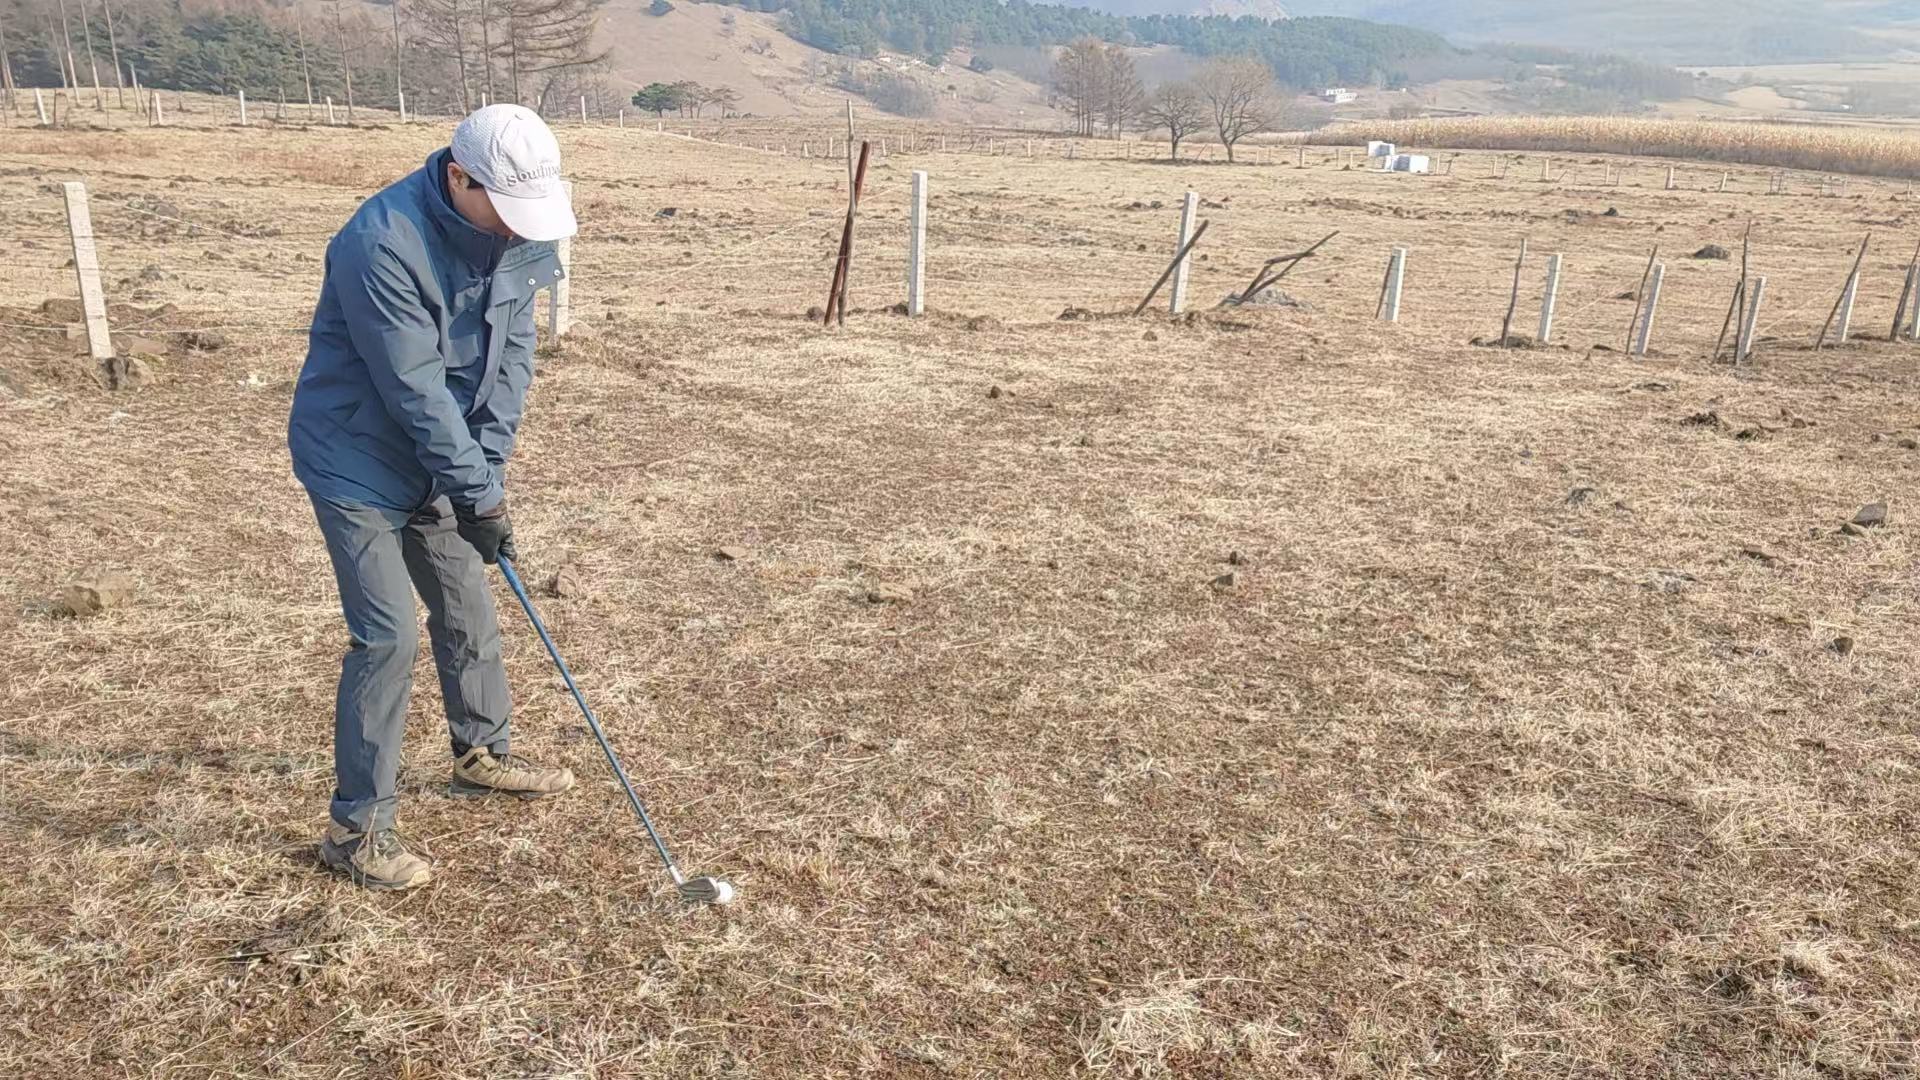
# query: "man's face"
{"type": "Point", "coordinates": [470, 199]}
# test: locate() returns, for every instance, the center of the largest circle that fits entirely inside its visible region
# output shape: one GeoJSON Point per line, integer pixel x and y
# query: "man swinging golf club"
{"type": "Point", "coordinates": [416, 374]}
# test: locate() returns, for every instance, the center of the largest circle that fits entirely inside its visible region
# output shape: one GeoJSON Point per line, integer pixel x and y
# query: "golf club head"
{"type": "Point", "coordinates": [707, 890]}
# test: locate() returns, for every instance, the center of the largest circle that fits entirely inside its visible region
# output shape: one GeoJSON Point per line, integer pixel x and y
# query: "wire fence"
{"type": "Point", "coordinates": [692, 225]}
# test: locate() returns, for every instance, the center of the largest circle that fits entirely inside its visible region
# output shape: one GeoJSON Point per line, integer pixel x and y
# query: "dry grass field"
{"type": "Point", "coordinates": [1549, 724]}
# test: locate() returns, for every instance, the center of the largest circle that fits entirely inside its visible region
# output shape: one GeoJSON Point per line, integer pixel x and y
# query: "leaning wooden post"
{"type": "Point", "coordinates": [1846, 295]}
{"type": "Point", "coordinates": [1744, 348]}
{"type": "Point", "coordinates": [1179, 258]}
{"type": "Point", "coordinates": [1653, 305]}
{"type": "Point", "coordinates": [1389, 309]}
{"type": "Point", "coordinates": [1548, 297]}
{"type": "Point", "coordinates": [86, 264]}
{"type": "Point", "coordinates": [1513, 298]}
{"type": "Point", "coordinates": [1640, 296]}
{"type": "Point", "coordinates": [1723, 180]}
{"type": "Point", "coordinates": [1900, 311]}
{"type": "Point", "coordinates": [1188, 210]}
{"type": "Point", "coordinates": [917, 246]}
{"type": "Point", "coordinates": [1846, 309]}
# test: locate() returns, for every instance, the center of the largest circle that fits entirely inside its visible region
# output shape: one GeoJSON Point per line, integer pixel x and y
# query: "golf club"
{"type": "Point", "coordinates": [702, 890]}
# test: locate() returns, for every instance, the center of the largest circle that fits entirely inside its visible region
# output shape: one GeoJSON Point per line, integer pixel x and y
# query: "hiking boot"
{"type": "Point", "coordinates": [378, 860]}
{"type": "Point", "coordinates": [479, 773]}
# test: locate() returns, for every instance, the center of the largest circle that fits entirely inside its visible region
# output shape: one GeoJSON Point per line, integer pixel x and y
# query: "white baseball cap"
{"type": "Point", "coordinates": [514, 156]}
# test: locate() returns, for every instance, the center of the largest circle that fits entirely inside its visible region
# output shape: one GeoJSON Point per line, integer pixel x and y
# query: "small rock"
{"type": "Point", "coordinates": [1652, 387]}
{"type": "Point", "coordinates": [206, 340]}
{"type": "Point", "coordinates": [1707, 419]}
{"type": "Point", "coordinates": [982, 322]}
{"type": "Point", "coordinates": [1579, 495]}
{"type": "Point", "coordinates": [1610, 212]}
{"type": "Point", "coordinates": [135, 345]}
{"type": "Point", "coordinates": [567, 584]}
{"type": "Point", "coordinates": [1075, 314]}
{"type": "Point", "coordinates": [1713, 251]}
{"type": "Point", "coordinates": [1234, 558]}
{"type": "Point", "coordinates": [1084, 440]}
{"type": "Point", "coordinates": [1871, 516]}
{"type": "Point", "coordinates": [124, 373]}
{"type": "Point", "coordinates": [1848, 528]}
{"type": "Point", "coordinates": [151, 272]}
{"type": "Point", "coordinates": [1224, 581]}
{"type": "Point", "coordinates": [99, 590]}
{"type": "Point", "coordinates": [1840, 646]}
{"type": "Point", "coordinates": [993, 392]}
{"type": "Point", "coordinates": [63, 309]}
{"type": "Point", "coordinates": [1908, 444]}
{"type": "Point", "coordinates": [889, 594]}
{"type": "Point", "coordinates": [1670, 581]}
{"type": "Point", "coordinates": [1794, 420]}
{"type": "Point", "coordinates": [816, 313]}
{"type": "Point", "coordinates": [1630, 294]}
{"type": "Point", "coordinates": [1271, 296]}
{"type": "Point", "coordinates": [730, 553]}
{"type": "Point", "coordinates": [1149, 336]}
{"type": "Point", "coordinates": [1764, 558]}
{"type": "Point", "coordinates": [666, 212]}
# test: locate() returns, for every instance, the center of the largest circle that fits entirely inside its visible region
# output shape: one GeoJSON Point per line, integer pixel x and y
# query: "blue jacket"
{"type": "Point", "coordinates": [419, 356]}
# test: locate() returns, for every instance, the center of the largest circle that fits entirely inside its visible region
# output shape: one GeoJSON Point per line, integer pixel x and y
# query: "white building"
{"type": "Point", "coordinates": [1338, 95]}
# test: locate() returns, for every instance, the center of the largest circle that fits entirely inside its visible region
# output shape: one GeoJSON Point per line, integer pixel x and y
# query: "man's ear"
{"type": "Point", "coordinates": [457, 177]}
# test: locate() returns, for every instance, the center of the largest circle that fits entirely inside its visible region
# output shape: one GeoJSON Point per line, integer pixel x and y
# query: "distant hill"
{"type": "Point", "coordinates": [1676, 31]}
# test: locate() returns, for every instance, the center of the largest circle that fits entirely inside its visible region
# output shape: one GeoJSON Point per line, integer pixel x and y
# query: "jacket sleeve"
{"type": "Point", "coordinates": [495, 424]}
{"type": "Point", "coordinates": [400, 344]}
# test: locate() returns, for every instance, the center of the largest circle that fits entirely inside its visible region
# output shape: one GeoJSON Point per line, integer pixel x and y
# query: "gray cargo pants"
{"type": "Point", "coordinates": [379, 558]}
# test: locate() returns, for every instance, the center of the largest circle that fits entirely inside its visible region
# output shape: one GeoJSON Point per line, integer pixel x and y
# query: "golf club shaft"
{"type": "Point", "coordinates": [639, 808]}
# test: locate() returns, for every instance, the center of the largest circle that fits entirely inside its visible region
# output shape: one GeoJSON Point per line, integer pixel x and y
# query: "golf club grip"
{"type": "Point", "coordinates": [593, 722]}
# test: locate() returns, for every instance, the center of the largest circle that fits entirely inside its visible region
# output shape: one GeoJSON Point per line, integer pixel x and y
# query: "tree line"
{"type": "Point", "coordinates": [443, 55]}
{"type": "Point", "coordinates": [1300, 52]}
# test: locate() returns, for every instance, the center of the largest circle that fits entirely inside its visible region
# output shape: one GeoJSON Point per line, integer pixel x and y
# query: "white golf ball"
{"type": "Point", "coordinates": [722, 892]}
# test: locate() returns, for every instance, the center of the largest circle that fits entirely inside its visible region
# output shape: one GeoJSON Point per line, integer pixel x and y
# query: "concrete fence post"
{"type": "Point", "coordinates": [402, 95]}
{"type": "Point", "coordinates": [329, 109]}
{"type": "Point", "coordinates": [159, 114]}
{"type": "Point", "coordinates": [1743, 347]}
{"type": "Point", "coordinates": [1188, 210]}
{"type": "Point", "coordinates": [917, 246]}
{"type": "Point", "coordinates": [86, 265]}
{"type": "Point", "coordinates": [1669, 178]}
{"type": "Point", "coordinates": [40, 106]}
{"type": "Point", "coordinates": [1653, 304]}
{"type": "Point", "coordinates": [243, 108]}
{"type": "Point", "coordinates": [1846, 306]}
{"type": "Point", "coordinates": [1547, 298]}
{"type": "Point", "coordinates": [583, 108]}
{"type": "Point", "coordinates": [1390, 298]}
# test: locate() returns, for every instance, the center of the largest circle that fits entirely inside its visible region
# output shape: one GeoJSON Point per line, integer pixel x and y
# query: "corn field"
{"type": "Point", "coordinates": [1789, 145]}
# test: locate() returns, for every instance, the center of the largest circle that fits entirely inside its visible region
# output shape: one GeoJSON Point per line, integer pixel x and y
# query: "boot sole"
{"type": "Point", "coordinates": [460, 789]}
{"type": "Point", "coordinates": [341, 863]}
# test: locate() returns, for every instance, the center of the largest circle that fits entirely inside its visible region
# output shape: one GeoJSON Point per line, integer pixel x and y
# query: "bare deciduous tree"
{"type": "Point", "coordinates": [1240, 93]}
{"type": "Point", "coordinates": [1121, 94]}
{"type": "Point", "coordinates": [1078, 75]}
{"type": "Point", "coordinates": [1177, 109]}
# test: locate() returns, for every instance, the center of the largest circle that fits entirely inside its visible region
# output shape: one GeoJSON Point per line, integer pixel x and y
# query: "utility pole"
{"type": "Point", "coordinates": [346, 66]}
{"type": "Point", "coordinates": [399, 92]}
{"type": "Point", "coordinates": [113, 44]}
{"type": "Point", "coordinates": [306, 73]}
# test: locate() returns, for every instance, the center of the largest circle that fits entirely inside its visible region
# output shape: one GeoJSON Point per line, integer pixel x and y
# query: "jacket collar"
{"type": "Point", "coordinates": [476, 246]}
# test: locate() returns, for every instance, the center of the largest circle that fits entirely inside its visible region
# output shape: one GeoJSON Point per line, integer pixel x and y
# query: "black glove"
{"type": "Point", "coordinates": [491, 533]}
